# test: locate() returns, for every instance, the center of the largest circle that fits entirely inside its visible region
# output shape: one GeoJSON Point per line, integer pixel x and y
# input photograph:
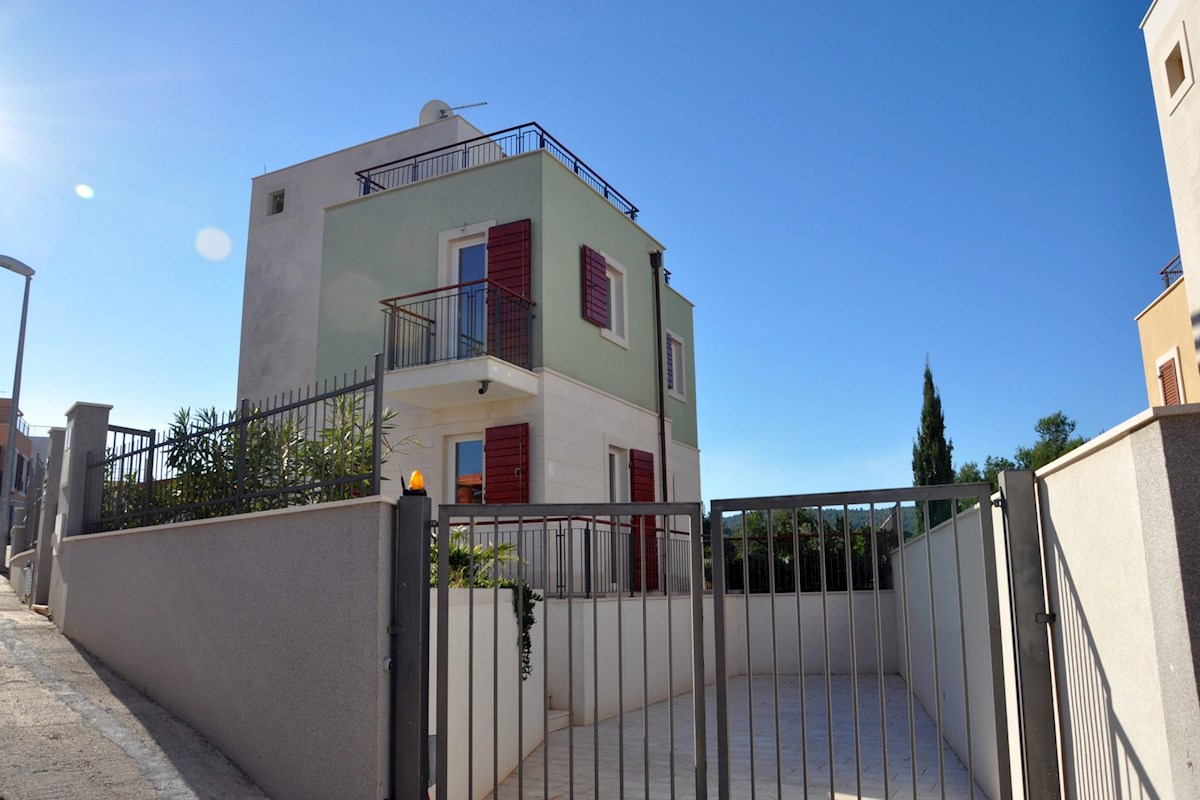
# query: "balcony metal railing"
{"type": "Point", "coordinates": [1172, 272]}
{"type": "Point", "coordinates": [484, 150]}
{"type": "Point", "coordinates": [457, 322]}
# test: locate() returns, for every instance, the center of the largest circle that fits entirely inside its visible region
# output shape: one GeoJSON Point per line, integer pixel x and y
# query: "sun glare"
{"type": "Point", "coordinates": [85, 191]}
{"type": "Point", "coordinates": [213, 244]}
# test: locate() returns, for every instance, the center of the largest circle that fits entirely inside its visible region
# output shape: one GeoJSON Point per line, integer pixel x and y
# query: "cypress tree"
{"type": "Point", "coordinates": [932, 451]}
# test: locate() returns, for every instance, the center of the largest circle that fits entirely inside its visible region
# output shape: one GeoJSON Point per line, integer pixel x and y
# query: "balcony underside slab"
{"type": "Point", "coordinates": [458, 383]}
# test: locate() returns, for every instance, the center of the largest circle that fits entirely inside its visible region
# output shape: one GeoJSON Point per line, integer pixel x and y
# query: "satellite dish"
{"type": "Point", "coordinates": [433, 111]}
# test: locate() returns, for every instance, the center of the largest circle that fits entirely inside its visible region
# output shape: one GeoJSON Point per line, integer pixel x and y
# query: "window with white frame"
{"type": "Point", "coordinates": [675, 366]}
{"type": "Point", "coordinates": [466, 465]}
{"type": "Point", "coordinates": [605, 295]}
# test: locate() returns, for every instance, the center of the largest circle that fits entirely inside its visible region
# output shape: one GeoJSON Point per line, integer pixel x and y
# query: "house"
{"type": "Point", "coordinates": [23, 478]}
{"type": "Point", "coordinates": [533, 343]}
{"type": "Point", "coordinates": [1169, 327]}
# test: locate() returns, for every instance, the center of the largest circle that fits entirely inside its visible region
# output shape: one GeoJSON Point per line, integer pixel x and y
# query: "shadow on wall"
{"type": "Point", "coordinates": [1114, 769]}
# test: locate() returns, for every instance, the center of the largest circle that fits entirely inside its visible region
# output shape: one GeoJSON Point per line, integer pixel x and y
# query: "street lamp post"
{"type": "Point", "coordinates": [10, 445]}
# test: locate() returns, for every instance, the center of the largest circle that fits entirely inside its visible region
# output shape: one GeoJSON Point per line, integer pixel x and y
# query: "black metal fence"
{"type": "Point", "coordinates": [461, 321]}
{"type": "Point", "coordinates": [319, 444]}
{"type": "Point", "coordinates": [484, 150]}
{"type": "Point", "coordinates": [1172, 272]}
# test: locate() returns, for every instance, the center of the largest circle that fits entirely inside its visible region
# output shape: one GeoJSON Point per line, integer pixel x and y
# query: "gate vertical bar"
{"type": "Point", "coordinates": [1035, 700]}
{"type": "Point", "coordinates": [377, 428]}
{"type": "Point", "coordinates": [409, 673]}
{"type": "Point", "coordinates": [717, 538]}
{"type": "Point", "coordinates": [443, 651]}
{"type": "Point", "coordinates": [699, 722]}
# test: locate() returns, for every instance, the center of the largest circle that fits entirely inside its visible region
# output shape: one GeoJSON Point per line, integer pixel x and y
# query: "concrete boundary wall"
{"type": "Point", "coordinates": [266, 632]}
{"type": "Point", "coordinates": [1120, 521]}
{"type": "Point", "coordinates": [960, 692]}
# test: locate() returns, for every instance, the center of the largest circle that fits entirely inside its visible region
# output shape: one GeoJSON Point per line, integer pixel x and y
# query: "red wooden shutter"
{"type": "Point", "coordinates": [595, 287]}
{"type": "Point", "coordinates": [644, 541]}
{"type": "Point", "coordinates": [508, 256]}
{"type": "Point", "coordinates": [508, 267]}
{"type": "Point", "coordinates": [1169, 378]}
{"type": "Point", "coordinates": [670, 363]}
{"type": "Point", "coordinates": [506, 464]}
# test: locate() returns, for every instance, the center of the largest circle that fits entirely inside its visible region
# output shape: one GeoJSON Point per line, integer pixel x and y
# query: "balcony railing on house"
{"type": "Point", "coordinates": [484, 150]}
{"type": "Point", "coordinates": [1172, 272]}
{"type": "Point", "coordinates": [463, 321]}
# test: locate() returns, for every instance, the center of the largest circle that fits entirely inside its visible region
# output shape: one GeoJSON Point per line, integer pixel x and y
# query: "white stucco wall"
{"type": "Point", "coordinates": [267, 633]}
{"type": "Point", "coordinates": [572, 426]}
{"type": "Point", "coordinates": [485, 689]}
{"type": "Point", "coordinates": [1168, 22]}
{"type": "Point", "coordinates": [1119, 519]}
{"type": "Point", "coordinates": [281, 296]}
{"type": "Point", "coordinates": [965, 678]}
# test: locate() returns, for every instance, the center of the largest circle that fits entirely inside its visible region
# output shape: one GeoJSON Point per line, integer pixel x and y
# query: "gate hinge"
{"type": "Point", "coordinates": [998, 502]}
{"type": "Point", "coordinates": [1047, 617]}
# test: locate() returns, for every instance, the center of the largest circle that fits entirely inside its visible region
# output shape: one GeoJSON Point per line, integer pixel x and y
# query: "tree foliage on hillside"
{"type": "Point", "coordinates": [1054, 440]}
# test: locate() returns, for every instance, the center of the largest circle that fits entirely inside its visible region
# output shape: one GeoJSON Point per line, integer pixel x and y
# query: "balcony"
{"type": "Point", "coordinates": [485, 150]}
{"type": "Point", "coordinates": [461, 344]}
{"type": "Point", "coordinates": [1172, 272]}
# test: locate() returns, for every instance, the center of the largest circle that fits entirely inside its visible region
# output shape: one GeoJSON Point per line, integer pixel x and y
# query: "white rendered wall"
{"type": "Point", "coordinates": [571, 427]}
{"type": "Point", "coordinates": [961, 690]}
{"type": "Point", "coordinates": [1178, 121]}
{"type": "Point", "coordinates": [283, 254]}
{"type": "Point", "coordinates": [485, 688]}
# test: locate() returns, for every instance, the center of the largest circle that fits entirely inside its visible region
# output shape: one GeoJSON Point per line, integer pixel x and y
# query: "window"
{"type": "Point", "coordinates": [605, 296]}
{"type": "Point", "coordinates": [275, 203]}
{"type": "Point", "coordinates": [468, 471]}
{"type": "Point", "coordinates": [492, 467]}
{"type": "Point", "coordinates": [676, 367]}
{"type": "Point", "coordinates": [618, 472]}
{"type": "Point", "coordinates": [1177, 69]}
{"type": "Point", "coordinates": [1175, 72]}
{"type": "Point", "coordinates": [19, 475]}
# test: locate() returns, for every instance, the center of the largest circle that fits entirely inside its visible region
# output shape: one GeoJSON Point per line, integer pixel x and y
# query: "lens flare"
{"type": "Point", "coordinates": [213, 244]}
{"type": "Point", "coordinates": [85, 191]}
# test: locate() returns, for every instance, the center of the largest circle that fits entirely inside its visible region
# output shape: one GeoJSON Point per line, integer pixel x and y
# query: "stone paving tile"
{"type": "Point", "coordinates": [761, 766]}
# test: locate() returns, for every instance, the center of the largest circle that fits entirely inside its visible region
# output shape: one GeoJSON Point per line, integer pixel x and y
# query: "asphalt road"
{"type": "Point", "coordinates": [72, 729]}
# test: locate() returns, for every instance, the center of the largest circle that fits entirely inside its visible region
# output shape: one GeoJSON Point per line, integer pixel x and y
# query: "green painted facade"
{"type": "Point", "coordinates": [386, 244]}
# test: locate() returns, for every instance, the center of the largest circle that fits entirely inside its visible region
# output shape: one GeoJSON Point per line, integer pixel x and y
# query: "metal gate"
{"type": "Point", "coordinates": [832, 645]}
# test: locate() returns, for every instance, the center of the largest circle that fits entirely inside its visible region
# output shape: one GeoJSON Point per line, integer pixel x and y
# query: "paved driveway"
{"type": "Point", "coordinates": [71, 729]}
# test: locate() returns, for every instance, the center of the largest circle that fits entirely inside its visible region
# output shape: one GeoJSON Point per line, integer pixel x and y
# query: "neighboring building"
{"type": "Point", "coordinates": [1168, 352]}
{"type": "Point", "coordinates": [514, 295]}
{"type": "Point", "coordinates": [1170, 326]}
{"type": "Point", "coordinates": [24, 479]}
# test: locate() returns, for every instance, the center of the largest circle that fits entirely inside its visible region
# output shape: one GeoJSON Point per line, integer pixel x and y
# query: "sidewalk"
{"type": "Point", "coordinates": [71, 729]}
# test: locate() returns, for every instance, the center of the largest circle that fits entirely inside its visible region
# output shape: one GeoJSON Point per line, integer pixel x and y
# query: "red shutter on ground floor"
{"type": "Point", "coordinates": [595, 287]}
{"type": "Point", "coordinates": [506, 464]}
{"type": "Point", "coordinates": [644, 541]}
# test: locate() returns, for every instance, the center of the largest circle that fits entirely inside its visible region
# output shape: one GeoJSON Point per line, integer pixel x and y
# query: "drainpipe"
{"type": "Point", "coordinates": [656, 269]}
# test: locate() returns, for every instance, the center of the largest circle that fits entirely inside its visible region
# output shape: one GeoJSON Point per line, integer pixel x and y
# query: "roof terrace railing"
{"type": "Point", "coordinates": [1172, 272]}
{"type": "Point", "coordinates": [484, 150]}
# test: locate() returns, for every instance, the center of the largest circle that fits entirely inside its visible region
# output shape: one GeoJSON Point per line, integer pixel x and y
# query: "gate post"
{"type": "Point", "coordinates": [409, 667]}
{"type": "Point", "coordinates": [1035, 693]}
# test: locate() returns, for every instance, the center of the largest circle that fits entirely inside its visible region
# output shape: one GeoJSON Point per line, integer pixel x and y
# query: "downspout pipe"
{"type": "Point", "coordinates": [656, 267]}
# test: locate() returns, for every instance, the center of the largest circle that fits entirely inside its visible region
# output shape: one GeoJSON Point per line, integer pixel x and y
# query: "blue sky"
{"type": "Point", "coordinates": [842, 190]}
